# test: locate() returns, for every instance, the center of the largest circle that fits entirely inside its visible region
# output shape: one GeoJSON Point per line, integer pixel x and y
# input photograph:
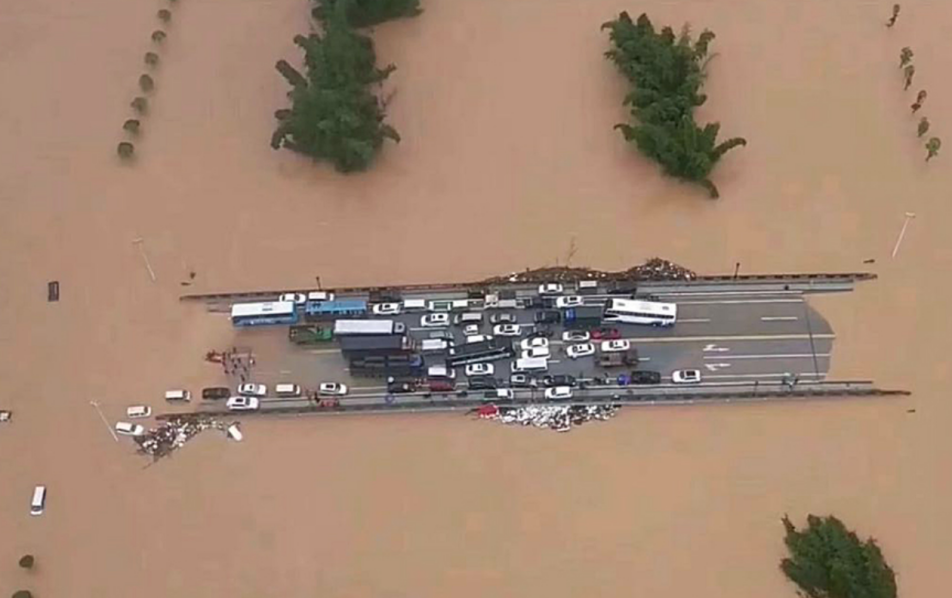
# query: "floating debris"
{"type": "Point", "coordinates": [175, 432]}
{"type": "Point", "coordinates": [653, 269]}
{"type": "Point", "coordinates": [5, 416]}
{"type": "Point", "coordinates": [560, 418]}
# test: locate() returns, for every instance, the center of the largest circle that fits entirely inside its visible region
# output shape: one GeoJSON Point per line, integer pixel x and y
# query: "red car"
{"type": "Point", "coordinates": [605, 334]}
{"type": "Point", "coordinates": [441, 386]}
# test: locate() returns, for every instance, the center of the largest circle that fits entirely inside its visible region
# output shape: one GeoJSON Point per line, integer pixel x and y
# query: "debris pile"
{"type": "Point", "coordinates": [175, 432]}
{"type": "Point", "coordinates": [560, 418]}
{"type": "Point", "coordinates": [654, 269]}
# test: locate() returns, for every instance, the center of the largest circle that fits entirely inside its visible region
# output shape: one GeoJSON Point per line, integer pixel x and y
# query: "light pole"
{"type": "Point", "coordinates": [104, 421]}
{"type": "Point", "coordinates": [902, 233]}
{"type": "Point", "coordinates": [736, 270]}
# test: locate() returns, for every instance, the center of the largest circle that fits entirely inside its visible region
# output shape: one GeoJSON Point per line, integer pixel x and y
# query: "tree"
{"type": "Point", "coordinates": [932, 147]}
{"type": "Point", "coordinates": [23, 594]}
{"type": "Point", "coordinates": [920, 98]}
{"type": "Point", "coordinates": [907, 73]}
{"type": "Point", "coordinates": [132, 126]}
{"type": "Point", "coordinates": [125, 150]}
{"type": "Point", "coordinates": [895, 15]}
{"type": "Point", "coordinates": [829, 561]}
{"type": "Point", "coordinates": [666, 74]}
{"type": "Point", "coordinates": [923, 126]}
{"type": "Point", "coordinates": [905, 56]}
{"type": "Point", "coordinates": [27, 561]}
{"type": "Point", "coordinates": [140, 105]}
{"type": "Point", "coordinates": [146, 83]}
{"type": "Point", "coordinates": [151, 58]}
{"type": "Point", "coordinates": [333, 114]}
{"type": "Point", "coordinates": [164, 15]}
{"type": "Point", "coordinates": [366, 13]}
{"type": "Point", "coordinates": [158, 36]}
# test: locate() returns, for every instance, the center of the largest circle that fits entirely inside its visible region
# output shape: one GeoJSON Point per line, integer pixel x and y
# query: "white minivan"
{"type": "Point", "coordinates": [434, 345]}
{"type": "Point", "coordinates": [178, 395]}
{"type": "Point", "coordinates": [287, 390]}
{"type": "Point", "coordinates": [39, 500]}
{"type": "Point", "coordinates": [414, 305]}
{"type": "Point", "coordinates": [531, 364]}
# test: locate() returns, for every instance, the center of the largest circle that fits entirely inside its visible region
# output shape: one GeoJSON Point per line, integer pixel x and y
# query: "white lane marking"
{"type": "Point", "coordinates": [740, 301]}
{"type": "Point", "coordinates": [693, 320]}
{"type": "Point", "coordinates": [694, 339]}
{"type": "Point", "coordinates": [778, 318]}
{"type": "Point", "coordinates": [769, 356]}
{"type": "Point", "coordinates": [714, 348]}
{"type": "Point", "coordinates": [713, 367]}
{"type": "Point", "coordinates": [778, 375]}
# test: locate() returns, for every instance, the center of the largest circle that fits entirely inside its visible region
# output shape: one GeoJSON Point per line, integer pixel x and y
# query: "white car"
{"type": "Point", "coordinates": [480, 369]}
{"type": "Point", "coordinates": [320, 296]}
{"type": "Point", "coordinates": [242, 404]}
{"type": "Point", "coordinates": [580, 350]}
{"type": "Point", "coordinates": [558, 392]}
{"type": "Point", "coordinates": [570, 301]}
{"type": "Point", "coordinates": [550, 288]}
{"type": "Point", "coordinates": [332, 389]}
{"type": "Point", "coordinates": [386, 309]}
{"type": "Point", "coordinates": [536, 353]}
{"type": "Point", "coordinates": [250, 389]}
{"type": "Point", "coordinates": [576, 336]}
{"type": "Point", "coordinates": [137, 411]}
{"type": "Point", "coordinates": [507, 330]}
{"type": "Point", "coordinates": [127, 429]}
{"type": "Point", "coordinates": [534, 343]}
{"type": "Point", "coordinates": [478, 338]}
{"type": "Point", "coordinates": [471, 330]}
{"type": "Point", "coordinates": [435, 320]}
{"type": "Point", "coordinates": [615, 346]}
{"type": "Point", "coordinates": [686, 376]}
{"type": "Point", "coordinates": [295, 298]}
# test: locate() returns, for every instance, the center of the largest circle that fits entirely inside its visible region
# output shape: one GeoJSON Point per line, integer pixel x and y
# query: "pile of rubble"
{"type": "Point", "coordinates": [560, 418]}
{"type": "Point", "coordinates": [175, 432]}
{"type": "Point", "coordinates": [654, 269]}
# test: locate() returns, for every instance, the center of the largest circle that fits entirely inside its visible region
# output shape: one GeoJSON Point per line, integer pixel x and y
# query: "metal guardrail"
{"type": "Point", "coordinates": [717, 279]}
{"type": "Point", "coordinates": [436, 405]}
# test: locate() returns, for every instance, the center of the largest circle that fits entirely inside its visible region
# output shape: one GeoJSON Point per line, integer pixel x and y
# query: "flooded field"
{"type": "Point", "coordinates": [508, 160]}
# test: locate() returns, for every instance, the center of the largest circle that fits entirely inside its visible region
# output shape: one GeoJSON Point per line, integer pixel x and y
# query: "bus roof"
{"type": "Point", "coordinates": [344, 327]}
{"type": "Point", "coordinates": [317, 307]}
{"type": "Point", "coordinates": [654, 307]}
{"type": "Point", "coordinates": [262, 309]}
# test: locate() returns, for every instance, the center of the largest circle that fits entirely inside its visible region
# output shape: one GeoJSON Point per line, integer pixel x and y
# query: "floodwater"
{"type": "Point", "coordinates": [508, 161]}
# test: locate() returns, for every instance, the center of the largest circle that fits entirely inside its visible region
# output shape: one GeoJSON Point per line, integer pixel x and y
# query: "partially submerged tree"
{"type": "Point", "coordinates": [365, 13]}
{"type": "Point", "coordinates": [666, 72]}
{"type": "Point", "coordinates": [932, 147]}
{"type": "Point", "coordinates": [151, 58]}
{"type": "Point", "coordinates": [146, 83]}
{"type": "Point", "coordinates": [158, 36]}
{"type": "Point", "coordinates": [895, 15]}
{"type": "Point", "coordinates": [905, 56]}
{"type": "Point", "coordinates": [23, 594]}
{"type": "Point", "coordinates": [125, 149]}
{"type": "Point", "coordinates": [140, 105]}
{"type": "Point", "coordinates": [164, 14]}
{"type": "Point", "coordinates": [131, 126]}
{"type": "Point", "coordinates": [907, 74]}
{"type": "Point", "coordinates": [829, 561]}
{"type": "Point", "coordinates": [27, 561]}
{"type": "Point", "coordinates": [923, 127]}
{"type": "Point", "coordinates": [333, 114]}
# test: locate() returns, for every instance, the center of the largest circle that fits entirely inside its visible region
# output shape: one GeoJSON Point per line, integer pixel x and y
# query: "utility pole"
{"type": "Point", "coordinates": [736, 270]}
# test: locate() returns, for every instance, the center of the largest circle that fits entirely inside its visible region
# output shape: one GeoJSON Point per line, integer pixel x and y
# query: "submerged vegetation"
{"type": "Point", "coordinates": [365, 13]}
{"type": "Point", "coordinates": [334, 115]}
{"type": "Point", "coordinates": [666, 72]}
{"type": "Point", "coordinates": [828, 561]}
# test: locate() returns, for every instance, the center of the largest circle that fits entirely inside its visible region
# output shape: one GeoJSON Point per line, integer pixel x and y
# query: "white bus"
{"type": "Point", "coordinates": [631, 311]}
{"type": "Point", "coordinates": [263, 314]}
{"type": "Point", "coordinates": [373, 327]}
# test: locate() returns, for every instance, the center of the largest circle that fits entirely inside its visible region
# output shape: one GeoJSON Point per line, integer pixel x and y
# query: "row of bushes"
{"type": "Point", "coordinates": [334, 114]}
{"type": "Point", "coordinates": [667, 72]}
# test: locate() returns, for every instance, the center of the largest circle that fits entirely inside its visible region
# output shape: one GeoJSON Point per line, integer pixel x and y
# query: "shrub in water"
{"type": "Point", "coordinates": [125, 149]}
{"type": "Point", "coordinates": [151, 58]}
{"type": "Point", "coordinates": [132, 126]}
{"type": "Point", "coordinates": [164, 15]}
{"type": "Point", "coordinates": [140, 105]}
{"type": "Point", "coordinates": [146, 83]}
{"type": "Point", "coordinates": [158, 36]}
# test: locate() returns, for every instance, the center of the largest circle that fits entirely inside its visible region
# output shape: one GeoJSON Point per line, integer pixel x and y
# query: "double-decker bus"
{"type": "Point", "coordinates": [263, 314]}
{"type": "Point", "coordinates": [631, 311]}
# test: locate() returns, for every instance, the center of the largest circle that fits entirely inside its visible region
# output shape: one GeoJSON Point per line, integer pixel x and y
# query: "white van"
{"type": "Point", "coordinates": [320, 296]}
{"type": "Point", "coordinates": [178, 395]}
{"type": "Point", "coordinates": [433, 345]}
{"type": "Point", "coordinates": [531, 364]}
{"type": "Point", "coordinates": [414, 305]}
{"type": "Point", "coordinates": [137, 411]}
{"type": "Point", "coordinates": [287, 390]}
{"type": "Point", "coordinates": [39, 500]}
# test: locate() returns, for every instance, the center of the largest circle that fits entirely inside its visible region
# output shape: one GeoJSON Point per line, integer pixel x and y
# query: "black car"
{"type": "Point", "coordinates": [482, 383]}
{"type": "Point", "coordinates": [559, 380]}
{"type": "Point", "coordinates": [399, 387]}
{"type": "Point", "coordinates": [216, 393]}
{"type": "Point", "coordinates": [548, 316]}
{"type": "Point", "coordinates": [645, 377]}
{"type": "Point", "coordinates": [539, 331]}
{"type": "Point", "coordinates": [521, 381]}
{"type": "Point", "coordinates": [503, 318]}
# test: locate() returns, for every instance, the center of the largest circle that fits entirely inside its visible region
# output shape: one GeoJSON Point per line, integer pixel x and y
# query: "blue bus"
{"type": "Point", "coordinates": [263, 314]}
{"type": "Point", "coordinates": [331, 310]}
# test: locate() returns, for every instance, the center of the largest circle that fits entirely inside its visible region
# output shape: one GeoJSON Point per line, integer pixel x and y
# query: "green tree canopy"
{"type": "Point", "coordinates": [365, 13]}
{"type": "Point", "coordinates": [829, 561]}
{"type": "Point", "coordinates": [667, 72]}
{"type": "Point", "coordinates": [333, 115]}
